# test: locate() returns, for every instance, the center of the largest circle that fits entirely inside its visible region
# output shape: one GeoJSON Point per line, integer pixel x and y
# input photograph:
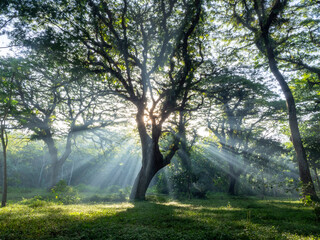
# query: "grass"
{"type": "Point", "coordinates": [220, 217]}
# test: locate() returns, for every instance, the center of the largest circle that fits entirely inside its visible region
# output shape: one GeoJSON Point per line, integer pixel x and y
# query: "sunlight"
{"type": "Point", "coordinates": [171, 119]}
{"type": "Point", "coordinates": [120, 170]}
{"type": "Point", "coordinates": [222, 158]}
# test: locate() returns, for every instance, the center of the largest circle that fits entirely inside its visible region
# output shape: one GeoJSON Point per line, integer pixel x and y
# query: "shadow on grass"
{"type": "Point", "coordinates": [198, 219]}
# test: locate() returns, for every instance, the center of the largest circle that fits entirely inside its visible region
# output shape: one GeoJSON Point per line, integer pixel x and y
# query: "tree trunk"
{"type": "Point", "coordinates": [304, 171]}
{"type": "Point", "coordinates": [41, 171]}
{"type": "Point", "coordinates": [71, 173]}
{"type": "Point", "coordinates": [232, 180]}
{"type": "Point", "coordinates": [55, 166]}
{"type": "Point", "coordinates": [316, 176]}
{"type": "Point", "coordinates": [184, 153]}
{"type": "Point", "coordinates": [152, 162]}
{"type": "Point", "coordinates": [232, 185]}
{"type": "Point", "coordinates": [55, 161]}
{"type": "Point", "coordinates": [263, 185]}
{"type": "Point", "coordinates": [4, 141]}
{"type": "Point", "coordinates": [152, 159]}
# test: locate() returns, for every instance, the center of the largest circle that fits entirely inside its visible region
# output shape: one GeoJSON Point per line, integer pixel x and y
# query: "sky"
{"type": "Point", "coordinates": [4, 50]}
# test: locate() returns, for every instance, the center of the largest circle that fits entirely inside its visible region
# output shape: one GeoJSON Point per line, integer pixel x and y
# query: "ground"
{"type": "Point", "coordinates": [218, 217]}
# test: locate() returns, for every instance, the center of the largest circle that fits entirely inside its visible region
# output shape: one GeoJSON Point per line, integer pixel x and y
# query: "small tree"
{"type": "Point", "coordinates": [7, 104]}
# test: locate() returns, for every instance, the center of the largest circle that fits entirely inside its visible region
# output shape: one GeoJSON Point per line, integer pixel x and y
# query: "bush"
{"type": "Point", "coordinates": [35, 202]}
{"type": "Point", "coordinates": [112, 189]}
{"type": "Point", "coordinates": [107, 198]}
{"type": "Point", "coordinates": [161, 198]}
{"type": "Point", "coordinates": [162, 184]}
{"type": "Point", "coordinates": [316, 206]}
{"type": "Point", "coordinates": [64, 193]}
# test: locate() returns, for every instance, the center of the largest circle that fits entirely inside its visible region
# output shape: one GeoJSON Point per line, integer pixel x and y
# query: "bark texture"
{"type": "Point", "coordinates": [152, 158]}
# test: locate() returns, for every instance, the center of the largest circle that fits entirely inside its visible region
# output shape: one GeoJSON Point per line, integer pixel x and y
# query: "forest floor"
{"type": "Point", "coordinates": [219, 217]}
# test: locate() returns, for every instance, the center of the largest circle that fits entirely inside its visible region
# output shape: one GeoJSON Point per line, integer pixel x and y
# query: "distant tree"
{"type": "Point", "coordinates": [48, 95]}
{"type": "Point", "coordinates": [187, 135]}
{"type": "Point", "coordinates": [236, 109]}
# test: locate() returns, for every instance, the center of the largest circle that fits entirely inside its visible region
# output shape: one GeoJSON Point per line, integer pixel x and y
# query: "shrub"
{"type": "Point", "coordinates": [64, 193]}
{"type": "Point", "coordinates": [316, 206]}
{"type": "Point", "coordinates": [35, 202]}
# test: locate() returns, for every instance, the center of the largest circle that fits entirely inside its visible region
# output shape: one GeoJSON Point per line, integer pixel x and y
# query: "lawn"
{"type": "Point", "coordinates": [219, 217]}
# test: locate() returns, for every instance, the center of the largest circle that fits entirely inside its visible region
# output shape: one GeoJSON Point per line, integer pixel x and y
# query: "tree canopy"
{"type": "Point", "coordinates": [190, 75]}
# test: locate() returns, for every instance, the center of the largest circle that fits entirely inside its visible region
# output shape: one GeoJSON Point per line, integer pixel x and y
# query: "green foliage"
{"type": "Point", "coordinates": [112, 193]}
{"type": "Point", "coordinates": [115, 197]}
{"type": "Point", "coordinates": [307, 201]}
{"type": "Point", "coordinates": [162, 184]}
{"type": "Point", "coordinates": [317, 211]}
{"type": "Point", "coordinates": [64, 193]}
{"type": "Point", "coordinates": [36, 202]}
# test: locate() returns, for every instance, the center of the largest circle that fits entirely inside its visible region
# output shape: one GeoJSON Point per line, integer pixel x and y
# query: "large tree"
{"type": "Point", "coordinates": [261, 22]}
{"type": "Point", "coordinates": [147, 50]}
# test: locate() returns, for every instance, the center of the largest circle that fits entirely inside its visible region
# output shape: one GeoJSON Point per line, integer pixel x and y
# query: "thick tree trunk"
{"type": "Point", "coordinates": [152, 162]}
{"type": "Point", "coordinates": [56, 162]}
{"type": "Point", "coordinates": [142, 182]}
{"type": "Point", "coordinates": [152, 159]}
{"type": "Point", "coordinates": [55, 166]}
{"type": "Point", "coordinates": [304, 171]}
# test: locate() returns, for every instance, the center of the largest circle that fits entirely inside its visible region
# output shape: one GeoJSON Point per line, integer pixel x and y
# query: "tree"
{"type": "Point", "coordinates": [49, 97]}
{"type": "Point", "coordinates": [7, 107]}
{"type": "Point", "coordinates": [307, 94]}
{"type": "Point", "coordinates": [236, 110]}
{"type": "Point", "coordinates": [184, 174]}
{"type": "Point", "coordinates": [148, 52]}
{"type": "Point", "coordinates": [298, 46]}
{"type": "Point", "coordinates": [263, 19]}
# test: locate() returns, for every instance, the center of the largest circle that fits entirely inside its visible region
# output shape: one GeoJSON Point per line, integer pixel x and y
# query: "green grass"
{"type": "Point", "coordinates": [220, 217]}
